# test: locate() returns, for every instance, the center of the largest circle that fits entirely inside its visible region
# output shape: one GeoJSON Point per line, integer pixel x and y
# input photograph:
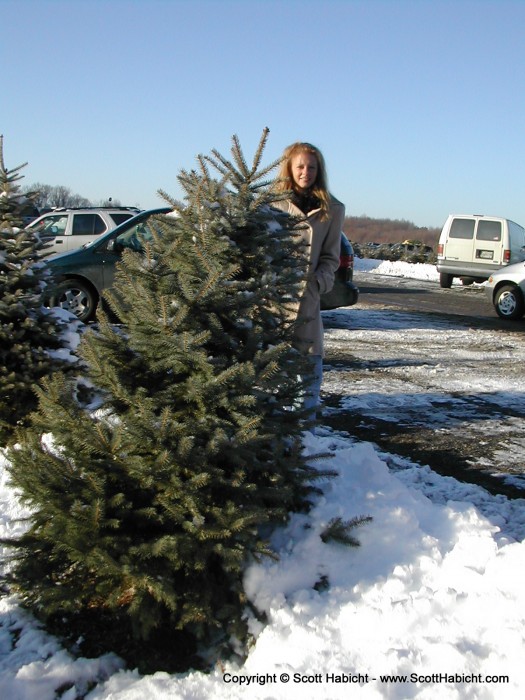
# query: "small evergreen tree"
{"type": "Point", "coordinates": [28, 332]}
{"type": "Point", "coordinates": [148, 509]}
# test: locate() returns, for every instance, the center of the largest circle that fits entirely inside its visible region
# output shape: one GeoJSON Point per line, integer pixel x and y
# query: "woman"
{"type": "Point", "coordinates": [303, 175]}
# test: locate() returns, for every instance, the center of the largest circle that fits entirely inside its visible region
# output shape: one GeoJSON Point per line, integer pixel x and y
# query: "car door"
{"type": "Point", "coordinates": [459, 245]}
{"type": "Point", "coordinates": [49, 229]}
{"type": "Point", "coordinates": [488, 247]}
{"type": "Point", "coordinates": [111, 252]}
{"type": "Point", "coordinates": [84, 229]}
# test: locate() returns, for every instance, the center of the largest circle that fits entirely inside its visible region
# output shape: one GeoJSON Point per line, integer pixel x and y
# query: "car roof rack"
{"type": "Point", "coordinates": [97, 208]}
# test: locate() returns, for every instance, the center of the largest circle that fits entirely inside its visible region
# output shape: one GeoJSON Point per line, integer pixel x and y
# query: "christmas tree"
{"type": "Point", "coordinates": [29, 333]}
{"type": "Point", "coordinates": [147, 508]}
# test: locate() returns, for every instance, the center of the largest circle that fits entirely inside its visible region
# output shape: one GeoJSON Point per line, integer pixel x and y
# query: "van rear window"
{"type": "Point", "coordinates": [462, 228]}
{"type": "Point", "coordinates": [489, 231]}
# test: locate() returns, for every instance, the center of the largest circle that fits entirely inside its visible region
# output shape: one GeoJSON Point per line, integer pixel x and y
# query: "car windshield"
{"type": "Point", "coordinates": [134, 236]}
{"type": "Point", "coordinates": [128, 238]}
{"type": "Point", "coordinates": [131, 232]}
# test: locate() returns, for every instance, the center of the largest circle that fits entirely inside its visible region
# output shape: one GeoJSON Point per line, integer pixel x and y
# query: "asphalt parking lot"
{"type": "Point", "coordinates": [439, 390]}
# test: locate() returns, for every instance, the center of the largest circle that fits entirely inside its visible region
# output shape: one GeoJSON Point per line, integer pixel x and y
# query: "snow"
{"type": "Point", "coordinates": [434, 593]}
{"type": "Point", "coordinates": [418, 271]}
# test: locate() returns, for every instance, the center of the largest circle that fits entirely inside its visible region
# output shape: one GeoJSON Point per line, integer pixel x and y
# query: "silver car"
{"type": "Point", "coordinates": [62, 230]}
{"type": "Point", "coordinates": [505, 289]}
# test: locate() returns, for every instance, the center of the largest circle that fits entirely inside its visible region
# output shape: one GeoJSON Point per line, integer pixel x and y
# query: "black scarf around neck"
{"type": "Point", "coordinates": [306, 201]}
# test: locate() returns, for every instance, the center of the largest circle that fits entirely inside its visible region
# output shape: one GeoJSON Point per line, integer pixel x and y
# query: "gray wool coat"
{"type": "Point", "coordinates": [323, 238]}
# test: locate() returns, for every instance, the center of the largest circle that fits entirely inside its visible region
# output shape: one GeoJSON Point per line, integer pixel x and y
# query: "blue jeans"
{"type": "Point", "coordinates": [312, 389]}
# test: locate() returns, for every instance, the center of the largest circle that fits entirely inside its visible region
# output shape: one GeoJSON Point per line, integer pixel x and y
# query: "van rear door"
{"type": "Point", "coordinates": [459, 244]}
{"type": "Point", "coordinates": [488, 242]}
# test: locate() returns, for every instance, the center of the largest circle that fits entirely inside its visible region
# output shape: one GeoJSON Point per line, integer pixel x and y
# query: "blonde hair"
{"type": "Point", "coordinates": [285, 181]}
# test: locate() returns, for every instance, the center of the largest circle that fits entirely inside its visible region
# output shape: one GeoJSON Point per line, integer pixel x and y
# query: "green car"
{"type": "Point", "coordinates": [81, 275]}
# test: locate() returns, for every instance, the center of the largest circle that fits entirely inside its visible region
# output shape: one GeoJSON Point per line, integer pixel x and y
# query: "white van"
{"type": "Point", "coordinates": [472, 246]}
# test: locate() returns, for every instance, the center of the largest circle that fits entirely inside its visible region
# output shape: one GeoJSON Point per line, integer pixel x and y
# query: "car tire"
{"type": "Point", "coordinates": [76, 297]}
{"type": "Point", "coordinates": [445, 280]}
{"type": "Point", "coordinates": [509, 302]}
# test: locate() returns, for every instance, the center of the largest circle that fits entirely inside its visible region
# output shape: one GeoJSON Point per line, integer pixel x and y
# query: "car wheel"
{"type": "Point", "coordinates": [445, 280]}
{"type": "Point", "coordinates": [76, 297]}
{"type": "Point", "coordinates": [509, 302]}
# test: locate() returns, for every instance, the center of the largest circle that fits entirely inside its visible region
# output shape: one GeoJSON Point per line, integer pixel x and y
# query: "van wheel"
{"type": "Point", "coordinates": [76, 297]}
{"type": "Point", "coordinates": [445, 280]}
{"type": "Point", "coordinates": [509, 302]}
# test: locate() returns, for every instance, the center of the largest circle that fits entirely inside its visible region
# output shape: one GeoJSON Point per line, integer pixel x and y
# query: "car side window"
{"type": "Point", "coordinates": [489, 231]}
{"type": "Point", "coordinates": [52, 225]}
{"type": "Point", "coordinates": [120, 218]}
{"type": "Point", "coordinates": [462, 228]}
{"type": "Point", "coordinates": [87, 225]}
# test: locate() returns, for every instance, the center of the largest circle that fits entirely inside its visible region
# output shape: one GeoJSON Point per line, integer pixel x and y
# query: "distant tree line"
{"type": "Point", "coordinates": [359, 229]}
{"type": "Point", "coordinates": [364, 229]}
{"type": "Point", "coordinates": [53, 196]}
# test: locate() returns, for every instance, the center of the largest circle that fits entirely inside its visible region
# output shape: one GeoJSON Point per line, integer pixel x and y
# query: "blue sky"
{"type": "Point", "coordinates": [417, 105]}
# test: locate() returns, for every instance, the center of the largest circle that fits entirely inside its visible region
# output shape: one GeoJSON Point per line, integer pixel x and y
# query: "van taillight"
{"type": "Point", "coordinates": [506, 256]}
{"type": "Point", "coordinates": [440, 248]}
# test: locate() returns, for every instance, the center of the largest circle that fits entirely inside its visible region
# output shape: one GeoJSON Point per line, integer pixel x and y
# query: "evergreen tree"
{"type": "Point", "coordinates": [147, 510]}
{"type": "Point", "coordinates": [28, 332]}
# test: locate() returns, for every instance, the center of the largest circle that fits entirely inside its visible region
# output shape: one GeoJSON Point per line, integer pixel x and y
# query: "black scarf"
{"type": "Point", "coordinates": [306, 201]}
